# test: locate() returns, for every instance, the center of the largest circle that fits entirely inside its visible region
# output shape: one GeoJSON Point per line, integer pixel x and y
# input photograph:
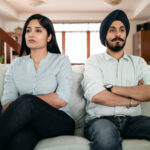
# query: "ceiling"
{"type": "Point", "coordinates": [72, 10]}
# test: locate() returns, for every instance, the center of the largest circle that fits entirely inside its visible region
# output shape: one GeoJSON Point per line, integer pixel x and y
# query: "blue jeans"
{"type": "Point", "coordinates": [107, 133]}
{"type": "Point", "coordinates": [29, 119]}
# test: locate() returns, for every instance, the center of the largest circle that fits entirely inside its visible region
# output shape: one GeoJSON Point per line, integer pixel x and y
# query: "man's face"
{"type": "Point", "coordinates": [116, 36]}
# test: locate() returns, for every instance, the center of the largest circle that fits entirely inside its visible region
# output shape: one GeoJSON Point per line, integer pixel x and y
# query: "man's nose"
{"type": "Point", "coordinates": [118, 33]}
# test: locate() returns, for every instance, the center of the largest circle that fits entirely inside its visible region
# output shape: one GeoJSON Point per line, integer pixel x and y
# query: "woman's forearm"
{"type": "Point", "coordinates": [53, 100]}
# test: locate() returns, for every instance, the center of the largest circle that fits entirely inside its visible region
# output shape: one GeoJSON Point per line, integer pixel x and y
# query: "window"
{"type": "Point", "coordinates": [95, 44]}
{"type": "Point", "coordinates": [79, 41]}
{"type": "Point", "coordinates": [59, 40]}
{"type": "Point", "coordinates": [76, 47]}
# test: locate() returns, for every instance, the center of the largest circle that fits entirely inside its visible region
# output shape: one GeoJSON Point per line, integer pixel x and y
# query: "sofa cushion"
{"type": "Point", "coordinates": [77, 102]}
{"type": "Point", "coordinates": [63, 143]}
{"type": "Point", "coordinates": [136, 144]}
{"type": "Point", "coordinates": [79, 143]}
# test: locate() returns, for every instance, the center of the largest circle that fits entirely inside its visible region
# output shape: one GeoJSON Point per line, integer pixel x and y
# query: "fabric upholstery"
{"type": "Point", "coordinates": [3, 69]}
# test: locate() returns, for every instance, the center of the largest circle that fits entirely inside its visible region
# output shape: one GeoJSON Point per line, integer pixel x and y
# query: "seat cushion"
{"type": "Point", "coordinates": [79, 143]}
{"type": "Point", "coordinates": [136, 145]}
{"type": "Point", "coordinates": [63, 143]}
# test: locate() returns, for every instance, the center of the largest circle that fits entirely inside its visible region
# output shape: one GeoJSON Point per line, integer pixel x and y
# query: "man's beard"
{"type": "Point", "coordinates": [117, 47]}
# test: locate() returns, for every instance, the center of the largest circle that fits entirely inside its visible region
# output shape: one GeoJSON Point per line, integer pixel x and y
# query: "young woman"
{"type": "Point", "coordinates": [37, 90]}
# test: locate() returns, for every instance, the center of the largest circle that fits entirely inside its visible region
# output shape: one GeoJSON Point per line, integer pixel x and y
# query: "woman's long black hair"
{"type": "Point", "coordinates": [52, 46]}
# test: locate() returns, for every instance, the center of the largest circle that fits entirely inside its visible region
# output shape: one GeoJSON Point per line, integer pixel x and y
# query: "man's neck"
{"type": "Point", "coordinates": [116, 55]}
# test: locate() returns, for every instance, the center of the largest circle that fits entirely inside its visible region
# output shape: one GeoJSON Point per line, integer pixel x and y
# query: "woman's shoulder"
{"type": "Point", "coordinates": [59, 56]}
{"type": "Point", "coordinates": [19, 60]}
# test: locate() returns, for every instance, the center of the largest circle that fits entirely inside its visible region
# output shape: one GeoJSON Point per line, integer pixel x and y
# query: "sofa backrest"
{"type": "Point", "coordinates": [3, 69]}
{"type": "Point", "coordinates": [77, 102]}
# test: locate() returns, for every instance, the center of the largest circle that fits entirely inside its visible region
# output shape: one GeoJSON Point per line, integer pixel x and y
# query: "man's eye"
{"type": "Point", "coordinates": [122, 30]}
{"type": "Point", "coordinates": [112, 30]}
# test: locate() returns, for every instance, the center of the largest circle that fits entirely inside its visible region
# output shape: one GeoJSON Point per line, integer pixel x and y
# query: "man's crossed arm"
{"type": "Point", "coordinates": [123, 96]}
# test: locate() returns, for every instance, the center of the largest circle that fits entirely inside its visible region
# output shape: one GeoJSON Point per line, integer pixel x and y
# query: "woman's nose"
{"type": "Point", "coordinates": [31, 33]}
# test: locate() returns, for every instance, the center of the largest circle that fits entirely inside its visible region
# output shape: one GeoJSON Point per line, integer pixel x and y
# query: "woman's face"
{"type": "Point", "coordinates": [36, 36]}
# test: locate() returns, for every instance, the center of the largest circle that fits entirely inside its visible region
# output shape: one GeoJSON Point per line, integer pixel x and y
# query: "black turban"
{"type": "Point", "coordinates": [113, 16]}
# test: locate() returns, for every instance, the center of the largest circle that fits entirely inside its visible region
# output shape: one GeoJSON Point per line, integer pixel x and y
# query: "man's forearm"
{"type": "Point", "coordinates": [140, 93]}
{"type": "Point", "coordinates": [110, 99]}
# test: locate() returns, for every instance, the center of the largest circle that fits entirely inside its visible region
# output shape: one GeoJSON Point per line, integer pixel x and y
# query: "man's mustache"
{"type": "Point", "coordinates": [117, 38]}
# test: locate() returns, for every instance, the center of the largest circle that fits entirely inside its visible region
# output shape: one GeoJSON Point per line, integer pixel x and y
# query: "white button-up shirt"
{"type": "Point", "coordinates": [102, 69]}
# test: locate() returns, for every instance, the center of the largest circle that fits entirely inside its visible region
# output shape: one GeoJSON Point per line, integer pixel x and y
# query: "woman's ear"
{"type": "Point", "coordinates": [49, 38]}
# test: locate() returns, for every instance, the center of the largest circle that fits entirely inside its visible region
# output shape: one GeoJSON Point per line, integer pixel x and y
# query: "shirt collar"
{"type": "Point", "coordinates": [48, 54]}
{"type": "Point", "coordinates": [109, 57]}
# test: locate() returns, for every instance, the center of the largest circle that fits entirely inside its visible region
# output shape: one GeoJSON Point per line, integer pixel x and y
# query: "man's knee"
{"type": "Point", "coordinates": [105, 135]}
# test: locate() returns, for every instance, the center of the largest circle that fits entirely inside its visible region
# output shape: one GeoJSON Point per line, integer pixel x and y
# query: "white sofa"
{"type": "Point", "coordinates": [77, 106]}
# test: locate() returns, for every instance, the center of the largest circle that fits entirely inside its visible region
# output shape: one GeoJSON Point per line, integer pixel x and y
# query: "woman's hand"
{"type": "Point", "coordinates": [6, 106]}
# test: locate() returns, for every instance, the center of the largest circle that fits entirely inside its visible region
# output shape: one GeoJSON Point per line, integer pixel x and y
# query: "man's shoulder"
{"type": "Point", "coordinates": [96, 57]}
{"type": "Point", "coordinates": [136, 59]}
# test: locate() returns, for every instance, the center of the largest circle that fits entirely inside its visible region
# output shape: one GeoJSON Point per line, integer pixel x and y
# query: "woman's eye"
{"type": "Point", "coordinates": [38, 30]}
{"type": "Point", "coordinates": [28, 30]}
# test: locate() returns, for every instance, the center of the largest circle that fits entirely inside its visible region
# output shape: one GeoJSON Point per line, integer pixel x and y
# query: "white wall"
{"type": "Point", "coordinates": [2, 24]}
{"type": "Point", "coordinates": [11, 25]}
{"type": "Point", "coordinates": [129, 43]}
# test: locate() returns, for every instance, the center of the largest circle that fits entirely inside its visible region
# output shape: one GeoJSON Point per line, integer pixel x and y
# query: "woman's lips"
{"type": "Point", "coordinates": [32, 41]}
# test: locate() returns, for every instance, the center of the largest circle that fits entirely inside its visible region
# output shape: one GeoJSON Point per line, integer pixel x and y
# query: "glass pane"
{"type": "Point", "coordinates": [76, 46]}
{"type": "Point", "coordinates": [59, 27]}
{"type": "Point", "coordinates": [94, 26]}
{"type": "Point", "coordinates": [95, 45]}
{"type": "Point", "coordinates": [59, 40]}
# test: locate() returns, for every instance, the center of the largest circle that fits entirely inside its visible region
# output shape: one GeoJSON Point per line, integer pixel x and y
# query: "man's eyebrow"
{"type": "Point", "coordinates": [114, 27]}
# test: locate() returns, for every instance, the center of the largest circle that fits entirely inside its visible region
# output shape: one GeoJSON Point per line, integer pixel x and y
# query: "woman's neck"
{"type": "Point", "coordinates": [38, 55]}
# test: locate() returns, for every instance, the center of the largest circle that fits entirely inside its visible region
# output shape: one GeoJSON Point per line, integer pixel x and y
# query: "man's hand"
{"type": "Point", "coordinates": [141, 82]}
{"type": "Point", "coordinates": [134, 103]}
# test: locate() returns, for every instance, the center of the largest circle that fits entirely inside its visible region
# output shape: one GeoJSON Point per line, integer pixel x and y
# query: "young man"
{"type": "Point", "coordinates": [115, 84]}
